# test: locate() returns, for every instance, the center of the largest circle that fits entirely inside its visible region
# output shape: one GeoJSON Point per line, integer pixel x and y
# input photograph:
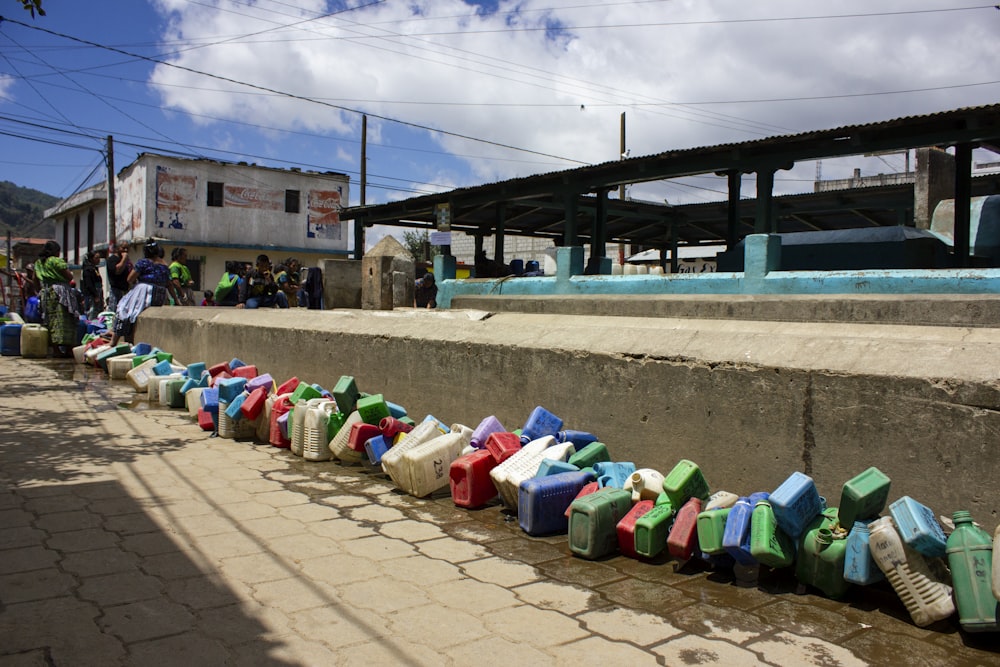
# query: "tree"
{"type": "Point", "coordinates": [418, 244]}
{"type": "Point", "coordinates": [33, 6]}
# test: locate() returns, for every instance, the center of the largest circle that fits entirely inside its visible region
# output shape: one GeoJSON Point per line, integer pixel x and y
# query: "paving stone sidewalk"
{"type": "Point", "coordinates": [129, 536]}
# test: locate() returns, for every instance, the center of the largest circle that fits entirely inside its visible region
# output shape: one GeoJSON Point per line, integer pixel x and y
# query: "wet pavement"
{"type": "Point", "coordinates": [129, 536]}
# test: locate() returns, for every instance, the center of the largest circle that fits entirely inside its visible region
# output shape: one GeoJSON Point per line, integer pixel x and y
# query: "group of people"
{"type": "Point", "coordinates": [150, 281]}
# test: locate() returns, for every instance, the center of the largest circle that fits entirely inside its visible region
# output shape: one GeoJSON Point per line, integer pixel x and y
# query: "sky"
{"type": "Point", "coordinates": [460, 93]}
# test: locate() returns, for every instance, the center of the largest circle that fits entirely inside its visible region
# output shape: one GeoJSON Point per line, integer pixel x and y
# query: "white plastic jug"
{"type": "Point", "coordinates": [78, 352]}
{"type": "Point", "coordinates": [421, 433]}
{"type": "Point", "coordinates": [192, 400]}
{"type": "Point", "coordinates": [521, 465]}
{"type": "Point", "coordinates": [234, 428]}
{"type": "Point", "coordinates": [314, 442]}
{"type": "Point", "coordinates": [140, 376]}
{"type": "Point", "coordinates": [118, 367]}
{"type": "Point", "coordinates": [34, 341]}
{"type": "Point", "coordinates": [428, 466]}
{"type": "Point", "coordinates": [926, 599]}
{"type": "Point", "coordinates": [89, 357]}
{"type": "Point", "coordinates": [720, 500]}
{"type": "Point", "coordinates": [297, 424]}
{"type": "Point", "coordinates": [155, 385]}
{"type": "Point", "coordinates": [339, 446]}
{"type": "Point", "coordinates": [645, 484]}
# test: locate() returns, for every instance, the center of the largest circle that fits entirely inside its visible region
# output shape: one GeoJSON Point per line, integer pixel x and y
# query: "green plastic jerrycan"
{"type": "Point", "coordinates": [822, 551]}
{"type": "Point", "coordinates": [970, 557]}
{"type": "Point", "coordinates": [769, 544]}
{"type": "Point", "coordinates": [685, 481]}
{"type": "Point", "coordinates": [863, 497]}
{"type": "Point", "coordinates": [711, 527]}
{"type": "Point", "coordinates": [595, 452]}
{"type": "Point", "coordinates": [652, 529]}
{"type": "Point", "coordinates": [593, 522]}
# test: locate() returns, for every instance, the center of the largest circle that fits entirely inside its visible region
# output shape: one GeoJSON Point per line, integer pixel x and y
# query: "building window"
{"type": "Point", "coordinates": [291, 201]}
{"type": "Point", "coordinates": [214, 194]}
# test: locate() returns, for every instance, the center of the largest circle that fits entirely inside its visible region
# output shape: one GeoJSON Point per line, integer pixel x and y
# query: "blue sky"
{"type": "Point", "coordinates": [462, 93]}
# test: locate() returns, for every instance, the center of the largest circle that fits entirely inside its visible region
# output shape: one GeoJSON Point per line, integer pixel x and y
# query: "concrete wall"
{"type": "Point", "coordinates": [751, 402]}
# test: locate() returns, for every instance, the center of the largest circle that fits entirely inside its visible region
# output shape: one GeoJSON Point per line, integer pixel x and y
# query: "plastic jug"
{"type": "Point", "coordinates": [119, 367]}
{"type": "Point", "coordinates": [736, 538]}
{"type": "Point", "coordinates": [652, 529]}
{"type": "Point", "coordinates": [372, 409]}
{"type": "Point", "coordinates": [519, 468]}
{"type": "Point", "coordinates": [175, 398]}
{"type": "Point", "coordinates": [345, 392]}
{"type": "Point", "coordinates": [711, 528]}
{"type": "Point", "coordinates": [236, 427]}
{"type": "Point", "coordinates": [155, 386]}
{"type": "Point", "coordinates": [140, 375]}
{"type": "Point", "coordinates": [253, 406]}
{"type": "Point", "coordinates": [685, 481]}
{"type": "Point", "coordinates": [926, 599]}
{"type": "Point", "coordinates": [116, 351]}
{"type": "Point", "coordinates": [626, 527]}
{"type": "Point", "coordinates": [218, 368]}
{"type": "Point", "coordinates": [859, 567]}
{"type": "Point", "coordinates": [246, 371]}
{"type": "Point", "coordinates": [554, 467]}
{"type": "Point", "coordinates": [230, 388]}
{"type": "Point", "coordinates": [970, 557]}
{"type": "Point", "coordinates": [720, 500]}
{"type": "Point", "coordinates": [542, 501]}
{"type": "Point", "coordinates": [486, 427]}
{"type": "Point", "coordinates": [613, 473]}
{"type": "Point", "coordinates": [796, 503]}
{"type": "Point", "coordinates": [918, 527]}
{"type": "Point", "coordinates": [314, 440]}
{"type": "Point", "coordinates": [191, 383]}
{"type": "Point", "coordinates": [589, 487]}
{"type": "Point", "coordinates": [192, 401]}
{"type": "Point", "coordinates": [34, 341]}
{"type": "Point", "coordinates": [580, 439]}
{"type": "Point", "coordinates": [822, 550]}
{"type": "Point", "coordinates": [10, 341]}
{"type": "Point", "coordinates": [589, 454]}
{"type": "Point", "coordinates": [303, 392]}
{"type": "Point", "coordinates": [426, 430]}
{"type": "Point", "coordinates": [502, 445]}
{"type": "Point", "coordinates": [288, 386]}
{"type": "Point", "coordinates": [264, 419]}
{"type": "Point", "coordinates": [390, 426]}
{"type": "Point", "coordinates": [863, 497]}
{"type": "Point", "coordinates": [264, 381]}
{"type": "Point", "coordinates": [540, 423]}
{"type": "Point", "coordinates": [645, 484]}
{"type": "Point", "coordinates": [281, 407]}
{"type": "Point", "coordinates": [682, 541]}
{"type": "Point", "coordinates": [375, 448]}
{"type": "Point", "coordinates": [205, 420]}
{"type": "Point", "coordinates": [469, 478]}
{"type": "Point", "coordinates": [593, 522]}
{"type": "Point", "coordinates": [428, 465]}
{"type": "Point", "coordinates": [769, 545]}
{"type": "Point", "coordinates": [361, 433]}
{"type": "Point", "coordinates": [90, 356]}
{"type": "Point", "coordinates": [297, 424]}
{"type": "Point", "coordinates": [340, 444]}
{"type": "Point", "coordinates": [996, 563]}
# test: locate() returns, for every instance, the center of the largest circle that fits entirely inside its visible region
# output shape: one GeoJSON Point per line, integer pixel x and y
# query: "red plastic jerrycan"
{"type": "Point", "coordinates": [248, 372]}
{"type": "Point", "coordinates": [281, 407]}
{"type": "Point", "coordinates": [502, 445]}
{"type": "Point", "coordinates": [390, 427]}
{"type": "Point", "coordinates": [361, 433]}
{"type": "Point", "coordinates": [254, 403]}
{"type": "Point", "coordinates": [218, 368]}
{"type": "Point", "coordinates": [626, 527]}
{"type": "Point", "coordinates": [205, 420]}
{"type": "Point", "coordinates": [682, 542]}
{"type": "Point", "coordinates": [469, 477]}
{"type": "Point", "coordinates": [288, 386]}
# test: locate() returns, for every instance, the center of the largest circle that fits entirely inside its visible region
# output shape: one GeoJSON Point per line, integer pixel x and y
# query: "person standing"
{"type": "Point", "coordinates": [60, 307]}
{"type": "Point", "coordinates": [259, 290]}
{"type": "Point", "coordinates": [181, 276]}
{"type": "Point", "coordinates": [92, 286]}
{"type": "Point", "coordinates": [153, 285]}
{"type": "Point", "coordinates": [119, 266]}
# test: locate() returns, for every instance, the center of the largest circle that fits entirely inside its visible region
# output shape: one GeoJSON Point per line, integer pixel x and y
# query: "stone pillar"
{"type": "Point", "coordinates": [386, 264]}
{"type": "Point", "coordinates": [934, 181]}
{"type": "Point", "coordinates": [341, 283]}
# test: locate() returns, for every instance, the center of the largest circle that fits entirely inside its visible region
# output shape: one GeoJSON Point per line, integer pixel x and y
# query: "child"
{"type": "Point", "coordinates": [209, 299]}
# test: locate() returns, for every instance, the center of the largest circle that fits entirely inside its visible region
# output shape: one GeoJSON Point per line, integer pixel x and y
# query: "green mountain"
{"type": "Point", "coordinates": [22, 210]}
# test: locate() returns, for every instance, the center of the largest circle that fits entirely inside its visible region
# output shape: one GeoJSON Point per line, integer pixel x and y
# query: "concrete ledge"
{"type": "Point", "coordinates": [932, 309]}
{"type": "Point", "coordinates": [749, 401]}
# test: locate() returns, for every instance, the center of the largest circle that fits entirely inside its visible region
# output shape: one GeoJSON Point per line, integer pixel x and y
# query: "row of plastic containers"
{"type": "Point", "coordinates": [562, 481]}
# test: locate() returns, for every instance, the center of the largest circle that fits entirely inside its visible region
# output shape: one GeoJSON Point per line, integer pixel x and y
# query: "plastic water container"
{"type": "Point", "coordinates": [593, 522]}
{"type": "Point", "coordinates": [162, 367]}
{"type": "Point", "coordinates": [281, 407]}
{"type": "Point", "coordinates": [297, 424]}
{"type": "Point", "coordinates": [918, 527]}
{"type": "Point", "coordinates": [303, 392]}
{"type": "Point", "coordinates": [117, 351]}
{"type": "Point", "coordinates": [340, 444]}
{"type": "Point", "coordinates": [685, 481]}
{"type": "Point", "coordinates": [719, 500]}
{"type": "Point", "coordinates": [645, 484]}
{"type": "Point", "coordinates": [78, 351]}
{"type": "Point", "coordinates": [682, 540]}
{"type": "Point", "coordinates": [613, 473]}
{"type": "Point", "coordinates": [390, 426]}
{"type": "Point", "coordinates": [218, 369]}
{"type": "Point", "coordinates": [554, 467]}
{"type": "Point", "coordinates": [34, 341]}
{"type": "Point", "coordinates": [119, 367]}
{"type": "Point", "coordinates": [590, 487]}
{"type": "Point", "coordinates": [154, 387]}
{"type": "Point", "coordinates": [372, 409]}
{"type": "Point", "coordinates": [652, 529]}
{"type": "Point", "coordinates": [769, 544]}
{"type": "Point", "coordinates": [859, 567]}
{"type": "Point", "coordinates": [205, 420]}
{"type": "Point", "coordinates": [796, 503]}
{"type": "Point", "coordinates": [503, 445]}
{"type": "Point", "coordinates": [540, 423]}
{"type": "Point", "coordinates": [90, 356]}
{"type": "Point", "coordinates": [486, 427]}
{"type": "Point", "coordinates": [736, 538]}
{"type": "Point", "coordinates": [10, 341]}
{"type": "Point", "coordinates": [345, 392]}
{"type": "Point", "coordinates": [315, 444]}
{"type": "Point", "coordinates": [361, 433]}
{"type": "Point", "coordinates": [469, 479]}
{"type": "Point", "coordinates": [230, 388]}
{"type": "Point", "coordinates": [970, 557]}
{"type": "Point", "coordinates": [253, 406]}
{"type": "Point", "coordinates": [711, 528]}
{"type": "Point", "coordinates": [423, 432]}
{"type": "Point", "coordinates": [516, 470]}
{"type": "Point", "coordinates": [172, 391]}
{"type": "Point", "coordinates": [246, 371]}
{"type": "Point", "coordinates": [140, 375]}
{"type": "Point", "coordinates": [580, 439]}
{"type": "Point", "coordinates": [192, 401]}
{"type": "Point", "coordinates": [264, 419]}
{"type": "Point", "coordinates": [542, 501]}
{"type": "Point", "coordinates": [822, 550]}
{"type": "Point", "coordinates": [589, 454]}
{"type": "Point", "coordinates": [427, 466]}
{"type": "Point", "coordinates": [925, 599]}
{"type": "Point", "coordinates": [864, 496]}
{"type": "Point", "coordinates": [996, 563]}
{"type": "Point", "coordinates": [375, 448]}
{"type": "Point", "coordinates": [626, 527]}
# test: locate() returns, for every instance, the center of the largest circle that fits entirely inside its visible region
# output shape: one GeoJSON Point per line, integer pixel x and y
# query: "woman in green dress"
{"type": "Point", "coordinates": [60, 305]}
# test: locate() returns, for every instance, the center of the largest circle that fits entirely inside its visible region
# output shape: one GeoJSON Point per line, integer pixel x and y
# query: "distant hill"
{"type": "Point", "coordinates": [22, 210]}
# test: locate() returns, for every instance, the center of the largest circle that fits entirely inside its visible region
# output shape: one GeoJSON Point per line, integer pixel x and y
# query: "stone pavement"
{"type": "Point", "coordinates": [129, 536]}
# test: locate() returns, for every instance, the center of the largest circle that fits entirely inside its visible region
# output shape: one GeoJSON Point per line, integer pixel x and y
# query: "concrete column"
{"type": "Point", "coordinates": [762, 254]}
{"type": "Point", "coordinates": [933, 181]}
{"type": "Point", "coordinates": [569, 262]}
{"type": "Point", "coordinates": [765, 222]}
{"type": "Point", "coordinates": [445, 267]}
{"type": "Point", "coordinates": [733, 208]}
{"type": "Point", "coordinates": [963, 196]}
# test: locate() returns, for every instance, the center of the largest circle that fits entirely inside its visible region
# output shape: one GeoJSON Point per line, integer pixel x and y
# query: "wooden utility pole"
{"type": "Point", "coordinates": [624, 154]}
{"type": "Point", "coordinates": [364, 157]}
{"type": "Point", "coordinates": [112, 236]}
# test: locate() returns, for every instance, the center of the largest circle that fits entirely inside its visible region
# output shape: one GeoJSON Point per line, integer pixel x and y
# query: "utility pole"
{"type": "Point", "coordinates": [112, 239]}
{"type": "Point", "coordinates": [624, 154]}
{"type": "Point", "coordinates": [359, 223]}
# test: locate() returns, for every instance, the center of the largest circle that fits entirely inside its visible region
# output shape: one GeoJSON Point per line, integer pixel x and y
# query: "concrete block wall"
{"type": "Point", "coordinates": [751, 402]}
